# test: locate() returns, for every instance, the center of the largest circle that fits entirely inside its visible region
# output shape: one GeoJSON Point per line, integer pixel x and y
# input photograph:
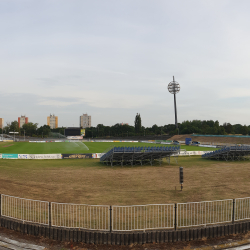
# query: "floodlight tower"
{"type": "Point", "coordinates": [174, 88]}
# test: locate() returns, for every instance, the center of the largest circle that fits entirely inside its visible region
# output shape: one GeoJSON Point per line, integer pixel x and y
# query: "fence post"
{"type": "Point", "coordinates": [233, 211]}
{"type": "Point", "coordinates": [49, 214]}
{"type": "Point", "coordinates": [175, 215]}
{"type": "Point", "coordinates": [110, 219]}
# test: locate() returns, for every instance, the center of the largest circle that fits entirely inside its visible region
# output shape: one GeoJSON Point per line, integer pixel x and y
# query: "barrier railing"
{"type": "Point", "coordinates": [28, 210]}
{"type": "Point", "coordinates": [125, 218]}
{"type": "Point", "coordinates": [242, 209]}
{"type": "Point", "coordinates": [204, 213]}
{"type": "Point", "coordinates": [80, 216]}
{"type": "Point", "coordinates": [142, 217]}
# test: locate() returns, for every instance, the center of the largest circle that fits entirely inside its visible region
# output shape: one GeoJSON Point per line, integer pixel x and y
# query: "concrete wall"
{"type": "Point", "coordinates": [117, 238]}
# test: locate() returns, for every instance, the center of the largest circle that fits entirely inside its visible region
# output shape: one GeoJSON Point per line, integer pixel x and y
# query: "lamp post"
{"type": "Point", "coordinates": [24, 134]}
{"type": "Point", "coordinates": [174, 88]}
{"type": "Point", "coordinates": [13, 133]}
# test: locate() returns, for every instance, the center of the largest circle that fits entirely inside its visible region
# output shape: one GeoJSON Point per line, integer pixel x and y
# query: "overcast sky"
{"type": "Point", "coordinates": [115, 58]}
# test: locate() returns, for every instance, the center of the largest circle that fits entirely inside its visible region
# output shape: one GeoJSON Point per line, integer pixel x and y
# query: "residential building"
{"type": "Point", "coordinates": [22, 120]}
{"type": "Point", "coordinates": [1, 123]}
{"type": "Point", "coordinates": [85, 121]}
{"type": "Point", "coordinates": [52, 121]}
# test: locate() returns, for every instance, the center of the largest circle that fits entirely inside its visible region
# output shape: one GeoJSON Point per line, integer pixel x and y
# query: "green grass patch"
{"type": "Point", "coordinates": [76, 147]}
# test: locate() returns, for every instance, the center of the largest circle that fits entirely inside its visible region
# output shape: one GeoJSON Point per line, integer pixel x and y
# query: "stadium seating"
{"type": "Point", "coordinates": [229, 153]}
{"type": "Point", "coordinates": [137, 155]}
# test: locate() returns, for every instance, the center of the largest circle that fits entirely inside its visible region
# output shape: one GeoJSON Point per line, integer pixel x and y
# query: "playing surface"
{"type": "Point", "coordinates": [76, 147]}
{"type": "Point", "coordinates": [87, 181]}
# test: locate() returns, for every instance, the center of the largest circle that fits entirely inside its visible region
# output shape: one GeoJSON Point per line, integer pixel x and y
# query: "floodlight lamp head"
{"type": "Point", "coordinates": [174, 87]}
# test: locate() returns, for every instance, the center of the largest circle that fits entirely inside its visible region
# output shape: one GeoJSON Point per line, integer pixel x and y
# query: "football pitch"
{"type": "Point", "coordinates": [77, 147]}
{"type": "Point", "coordinates": [87, 181]}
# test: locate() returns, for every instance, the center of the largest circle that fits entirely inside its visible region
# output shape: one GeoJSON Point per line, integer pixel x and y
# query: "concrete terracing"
{"type": "Point", "coordinates": [213, 139]}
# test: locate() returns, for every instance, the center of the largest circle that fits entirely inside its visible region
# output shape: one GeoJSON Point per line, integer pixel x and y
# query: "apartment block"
{"type": "Point", "coordinates": [1, 123]}
{"type": "Point", "coordinates": [85, 121]}
{"type": "Point", "coordinates": [52, 121]}
{"type": "Point", "coordinates": [22, 120]}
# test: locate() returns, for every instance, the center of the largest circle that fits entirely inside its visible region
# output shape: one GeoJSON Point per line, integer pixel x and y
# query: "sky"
{"type": "Point", "coordinates": [113, 59]}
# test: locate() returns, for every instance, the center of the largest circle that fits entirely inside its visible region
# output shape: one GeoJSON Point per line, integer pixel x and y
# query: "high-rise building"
{"type": "Point", "coordinates": [52, 121]}
{"type": "Point", "coordinates": [1, 123]}
{"type": "Point", "coordinates": [85, 121]}
{"type": "Point", "coordinates": [22, 120]}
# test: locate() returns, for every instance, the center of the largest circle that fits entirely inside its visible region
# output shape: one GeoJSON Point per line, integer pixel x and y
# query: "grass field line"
{"type": "Point", "coordinates": [85, 145]}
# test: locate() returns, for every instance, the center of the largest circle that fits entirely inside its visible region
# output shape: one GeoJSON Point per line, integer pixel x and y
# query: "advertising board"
{"type": "Point", "coordinates": [0, 156]}
{"type": "Point", "coordinates": [76, 156]}
{"type": "Point", "coordinates": [82, 132]}
{"type": "Point", "coordinates": [38, 141]}
{"type": "Point", "coordinates": [10, 156]}
{"type": "Point", "coordinates": [98, 155]}
{"type": "Point", "coordinates": [188, 153]}
{"type": "Point", "coordinates": [23, 156]}
{"type": "Point", "coordinates": [74, 137]}
{"type": "Point", "coordinates": [45, 156]}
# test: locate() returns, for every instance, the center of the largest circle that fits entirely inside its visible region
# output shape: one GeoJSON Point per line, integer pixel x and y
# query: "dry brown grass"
{"type": "Point", "coordinates": [89, 182]}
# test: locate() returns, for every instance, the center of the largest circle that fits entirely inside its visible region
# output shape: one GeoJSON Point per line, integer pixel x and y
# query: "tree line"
{"type": "Point", "coordinates": [30, 129]}
{"type": "Point", "coordinates": [205, 127]}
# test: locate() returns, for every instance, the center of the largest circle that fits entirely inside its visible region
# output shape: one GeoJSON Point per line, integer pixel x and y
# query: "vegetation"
{"type": "Point", "coordinates": [205, 127]}
{"type": "Point", "coordinates": [208, 127]}
{"type": "Point", "coordinates": [137, 123]}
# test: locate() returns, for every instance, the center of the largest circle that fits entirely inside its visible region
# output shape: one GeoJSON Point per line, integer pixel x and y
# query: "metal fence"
{"type": "Point", "coordinates": [80, 216]}
{"type": "Point", "coordinates": [125, 218]}
{"type": "Point", "coordinates": [204, 213]}
{"type": "Point", "coordinates": [128, 218]}
{"type": "Point", "coordinates": [25, 209]}
{"type": "Point", "coordinates": [242, 209]}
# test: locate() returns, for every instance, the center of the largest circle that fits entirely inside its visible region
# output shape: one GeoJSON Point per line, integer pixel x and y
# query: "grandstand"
{"type": "Point", "coordinates": [229, 153]}
{"type": "Point", "coordinates": [138, 155]}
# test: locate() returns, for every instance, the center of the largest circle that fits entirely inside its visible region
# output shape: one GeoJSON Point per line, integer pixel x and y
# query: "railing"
{"type": "Point", "coordinates": [142, 217]}
{"type": "Point", "coordinates": [125, 218]}
{"type": "Point", "coordinates": [25, 209]}
{"type": "Point", "coordinates": [80, 216]}
{"type": "Point", "coordinates": [242, 209]}
{"type": "Point", "coordinates": [204, 213]}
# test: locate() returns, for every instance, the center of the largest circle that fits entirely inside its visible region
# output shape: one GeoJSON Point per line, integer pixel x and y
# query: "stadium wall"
{"type": "Point", "coordinates": [121, 238]}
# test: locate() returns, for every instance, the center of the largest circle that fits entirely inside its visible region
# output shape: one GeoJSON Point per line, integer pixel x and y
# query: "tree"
{"type": "Point", "coordinates": [228, 128]}
{"type": "Point", "coordinates": [244, 130]}
{"type": "Point", "coordinates": [30, 128]}
{"type": "Point", "coordinates": [137, 123]}
{"type": "Point", "coordinates": [44, 131]}
{"type": "Point", "coordinates": [14, 126]}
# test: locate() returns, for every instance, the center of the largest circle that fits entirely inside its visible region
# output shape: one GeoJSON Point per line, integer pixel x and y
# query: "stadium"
{"type": "Point", "coordinates": [69, 184]}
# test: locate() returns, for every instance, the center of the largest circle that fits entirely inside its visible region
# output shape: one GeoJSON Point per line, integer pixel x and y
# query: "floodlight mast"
{"type": "Point", "coordinates": [174, 88]}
